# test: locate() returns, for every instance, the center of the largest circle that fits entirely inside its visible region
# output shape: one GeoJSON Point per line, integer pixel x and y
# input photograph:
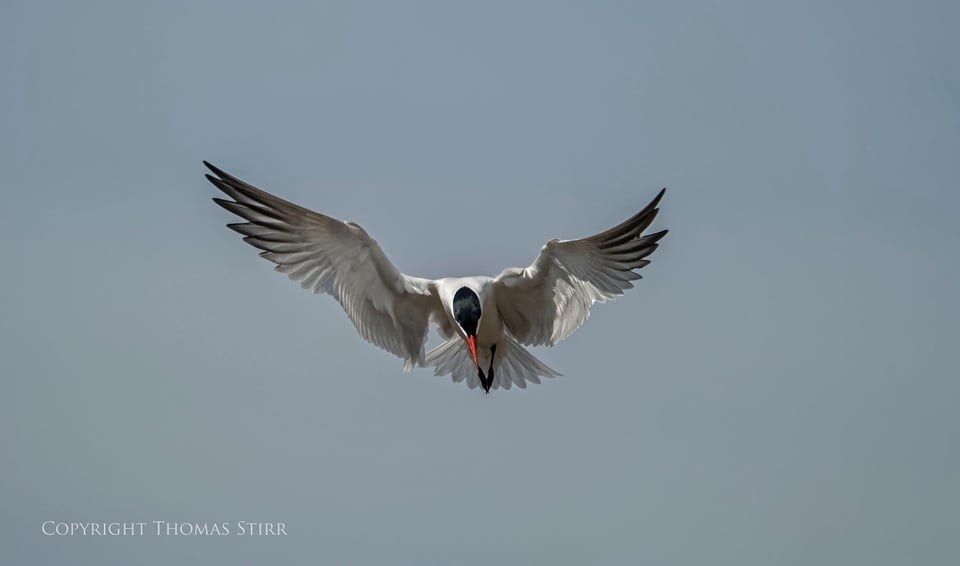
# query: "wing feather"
{"type": "Point", "coordinates": [388, 309]}
{"type": "Point", "coordinates": [547, 301]}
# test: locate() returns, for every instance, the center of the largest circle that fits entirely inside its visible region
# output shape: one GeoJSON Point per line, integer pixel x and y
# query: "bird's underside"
{"type": "Point", "coordinates": [485, 322]}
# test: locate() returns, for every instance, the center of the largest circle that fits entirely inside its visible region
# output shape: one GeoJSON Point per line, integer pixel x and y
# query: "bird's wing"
{"type": "Point", "coordinates": [388, 308]}
{"type": "Point", "coordinates": [545, 302]}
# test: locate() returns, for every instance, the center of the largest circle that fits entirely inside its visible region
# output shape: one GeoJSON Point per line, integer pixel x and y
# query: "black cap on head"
{"type": "Point", "coordinates": [466, 310]}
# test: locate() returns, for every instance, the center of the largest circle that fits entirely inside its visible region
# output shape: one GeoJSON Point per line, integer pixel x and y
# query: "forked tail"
{"type": "Point", "coordinates": [512, 364]}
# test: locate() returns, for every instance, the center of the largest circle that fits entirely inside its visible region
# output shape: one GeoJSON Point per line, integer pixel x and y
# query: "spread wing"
{"type": "Point", "coordinates": [389, 309]}
{"type": "Point", "coordinates": [545, 302]}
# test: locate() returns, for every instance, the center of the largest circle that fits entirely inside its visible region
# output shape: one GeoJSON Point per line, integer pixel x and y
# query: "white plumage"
{"type": "Point", "coordinates": [494, 317]}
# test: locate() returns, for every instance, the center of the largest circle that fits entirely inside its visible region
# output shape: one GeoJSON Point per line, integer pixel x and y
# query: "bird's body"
{"type": "Point", "coordinates": [490, 327]}
{"type": "Point", "coordinates": [485, 321]}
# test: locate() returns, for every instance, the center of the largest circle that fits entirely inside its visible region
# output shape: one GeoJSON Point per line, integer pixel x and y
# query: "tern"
{"type": "Point", "coordinates": [485, 321]}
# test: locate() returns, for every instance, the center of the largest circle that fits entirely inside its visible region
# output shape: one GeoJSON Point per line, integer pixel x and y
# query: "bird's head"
{"type": "Point", "coordinates": [466, 311]}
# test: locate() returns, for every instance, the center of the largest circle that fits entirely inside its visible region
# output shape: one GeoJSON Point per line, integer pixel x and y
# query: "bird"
{"type": "Point", "coordinates": [485, 322]}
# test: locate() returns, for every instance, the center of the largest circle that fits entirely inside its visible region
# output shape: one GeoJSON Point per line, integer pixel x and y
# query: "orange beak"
{"type": "Point", "coordinates": [472, 342]}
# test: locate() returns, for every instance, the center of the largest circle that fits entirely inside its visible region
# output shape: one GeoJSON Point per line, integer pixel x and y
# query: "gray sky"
{"type": "Point", "coordinates": [780, 388]}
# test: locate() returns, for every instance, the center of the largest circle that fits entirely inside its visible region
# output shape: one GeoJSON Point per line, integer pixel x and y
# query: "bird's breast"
{"type": "Point", "coordinates": [491, 327]}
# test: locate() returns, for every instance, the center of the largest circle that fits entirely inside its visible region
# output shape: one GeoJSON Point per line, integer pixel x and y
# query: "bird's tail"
{"type": "Point", "coordinates": [513, 364]}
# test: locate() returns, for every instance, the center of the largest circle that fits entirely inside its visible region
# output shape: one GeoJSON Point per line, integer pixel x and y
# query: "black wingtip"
{"type": "Point", "coordinates": [656, 200]}
{"type": "Point", "coordinates": [654, 238]}
{"type": "Point", "coordinates": [221, 183]}
{"type": "Point", "coordinates": [226, 204]}
{"type": "Point", "coordinates": [216, 170]}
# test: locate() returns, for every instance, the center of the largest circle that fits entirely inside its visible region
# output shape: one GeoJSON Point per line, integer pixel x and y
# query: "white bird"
{"type": "Point", "coordinates": [485, 321]}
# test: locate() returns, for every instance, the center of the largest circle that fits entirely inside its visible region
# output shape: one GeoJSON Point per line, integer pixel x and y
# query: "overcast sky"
{"type": "Point", "coordinates": [780, 388]}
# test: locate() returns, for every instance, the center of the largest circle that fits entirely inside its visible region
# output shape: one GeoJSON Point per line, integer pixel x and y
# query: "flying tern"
{"type": "Point", "coordinates": [485, 321]}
